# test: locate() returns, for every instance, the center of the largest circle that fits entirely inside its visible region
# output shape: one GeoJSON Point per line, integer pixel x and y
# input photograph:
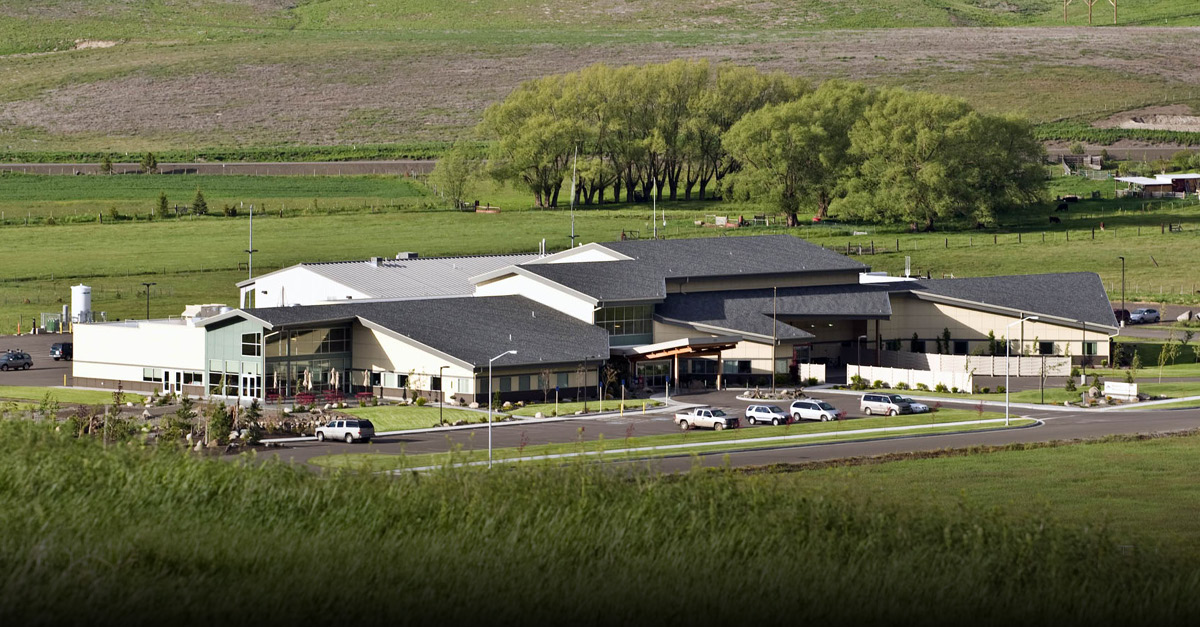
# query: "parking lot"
{"type": "Point", "coordinates": [45, 371]}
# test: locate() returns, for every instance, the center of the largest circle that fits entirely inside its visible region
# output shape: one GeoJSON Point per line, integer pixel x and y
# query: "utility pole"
{"type": "Point", "coordinates": [574, 164]}
{"type": "Point", "coordinates": [148, 298]}
{"type": "Point", "coordinates": [251, 250]}
{"type": "Point", "coordinates": [774, 333]}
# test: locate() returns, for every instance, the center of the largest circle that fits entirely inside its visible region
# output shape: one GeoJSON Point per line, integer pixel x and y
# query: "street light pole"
{"type": "Point", "coordinates": [442, 391]}
{"type": "Point", "coordinates": [1008, 362]}
{"type": "Point", "coordinates": [148, 298]}
{"type": "Point", "coordinates": [1121, 322]}
{"type": "Point", "coordinates": [859, 364]}
{"type": "Point", "coordinates": [489, 402]}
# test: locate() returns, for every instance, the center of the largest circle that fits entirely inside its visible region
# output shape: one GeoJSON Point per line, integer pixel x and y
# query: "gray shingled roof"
{"type": "Point", "coordinates": [1070, 295]}
{"type": "Point", "coordinates": [749, 311]}
{"type": "Point", "coordinates": [470, 329]}
{"type": "Point", "coordinates": [654, 261]}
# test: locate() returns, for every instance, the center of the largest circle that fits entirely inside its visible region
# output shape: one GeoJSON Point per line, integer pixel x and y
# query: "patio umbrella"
{"type": "Point", "coordinates": [366, 378]}
{"type": "Point", "coordinates": [307, 379]}
{"type": "Point", "coordinates": [335, 378]}
{"type": "Point", "coordinates": [275, 380]}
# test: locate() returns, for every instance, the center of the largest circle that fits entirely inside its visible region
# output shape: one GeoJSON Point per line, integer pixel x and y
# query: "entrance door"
{"type": "Point", "coordinates": [251, 386]}
{"type": "Point", "coordinates": [172, 382]}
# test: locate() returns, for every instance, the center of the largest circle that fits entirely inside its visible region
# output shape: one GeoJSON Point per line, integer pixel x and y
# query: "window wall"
{"type": "Point", "coordinates": [627, 325]}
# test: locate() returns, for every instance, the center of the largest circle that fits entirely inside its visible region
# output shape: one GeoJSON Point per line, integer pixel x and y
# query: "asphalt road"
{"type": "Point", "coordinates": [45, 371]}
{"type": "Point", "coordinates": [1057, 425]}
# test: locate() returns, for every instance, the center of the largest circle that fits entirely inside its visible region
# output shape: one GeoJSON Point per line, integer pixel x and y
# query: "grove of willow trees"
{"type": "Point", "coordinates": [687, 129]}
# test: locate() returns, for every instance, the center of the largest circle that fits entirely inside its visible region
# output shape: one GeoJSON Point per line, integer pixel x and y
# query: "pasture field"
{"type": "Point", "coordinates": [215, 76]}
{"type": "Point", "coordinates": [196, 259]}
{"type": "Point", "coordinates": [1090, 533]}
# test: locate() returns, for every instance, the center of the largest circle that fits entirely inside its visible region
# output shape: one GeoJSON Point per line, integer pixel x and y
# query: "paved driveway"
{"type": "Point", "coordinates": [45, 371]}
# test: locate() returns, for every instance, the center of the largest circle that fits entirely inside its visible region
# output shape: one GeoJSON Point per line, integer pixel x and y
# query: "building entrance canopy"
{"type": "Point", "coordinates": [689, 346]}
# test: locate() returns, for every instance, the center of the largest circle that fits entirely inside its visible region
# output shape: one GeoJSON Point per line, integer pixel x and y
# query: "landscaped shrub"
{"type": "Point", "coordinates": [1070, 386]}
{"type": "Point", "coordinates": [986, 390]}
{"type": "Point", "coordinates": [1000, 389]}
{"type": "Point", "coordinates": [922, 387]}
{"type": "Point", "coordinates": [878, 384]}
{"type": "Point", "coordinates": [858, 383]}
{"type": "Point", "coordinates": [901, 386]}
{"type": "Point", "coordinates": [421, 400]}
{"type": "Point", "coordinates": [954, 390]}
{"type": "Point", "coordinates": [941, 387]}
{"type": "Point", "coordinates": [811, 381]}
{"type": "Point", "coordinates": [229, 211]}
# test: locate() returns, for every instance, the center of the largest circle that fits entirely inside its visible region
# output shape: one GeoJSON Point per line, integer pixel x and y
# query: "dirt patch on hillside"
{"type": "Point", "coordinates": [438, 91]}
{"type": "Point", "coordinates": [1166, 118]}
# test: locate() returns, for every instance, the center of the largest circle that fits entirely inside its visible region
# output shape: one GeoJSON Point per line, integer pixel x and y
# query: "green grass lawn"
{"type": "Point", "coordinates": [379, 462]}
{"type": "Point", "coordinates": [1144, 491]}
{"type": "Point", "coordinates": [401, 417]}
{"type": "Point", "coordinates": [61, 197]}
{"type": "Point", "coordinates": [1193, 404]}
{"type": "Point", "coordinates": [566, 409]}
{"type": "Point", "coordinates": [63, 395]}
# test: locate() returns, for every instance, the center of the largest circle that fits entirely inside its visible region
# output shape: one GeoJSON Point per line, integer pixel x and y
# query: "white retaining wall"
{"type": "Point", "coordinates": [981, 365]}
{"type": "Point", "coordinates": [892, 376]}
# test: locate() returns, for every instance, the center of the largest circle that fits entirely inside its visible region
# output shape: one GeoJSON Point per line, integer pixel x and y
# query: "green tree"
{"type": "Point", "coordinates": [1167, 354]}
{"type": "Point", "coordinates": [162, 206]}
{"type": "Point", "coordinates": [797, 154]}
{"type": "Point", "coordinates": [106, 164]}
{"type": "Point", "coordinates": [149, 164]}
{"type": "Point", "coordinates": [220, 423]}
{"type": "Point", "coordinates": [454, 174]}
{"type": "Point", "coordinates": [927, 157]}
{"type": "Point", "coordinates": [199, 205]}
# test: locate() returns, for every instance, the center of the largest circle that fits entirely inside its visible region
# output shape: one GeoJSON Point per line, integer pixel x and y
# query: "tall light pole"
{"type": "Point", "coordinates": [148, 298]}
{"type": "Point", "coordinates": [489, 400]}
{"type": "Point", "coordinates": [1008, 361]}
{"type": "Point", "coordinates": [1121, 322]}
{"type": "Point", "coordinates": [250, 251]}
{"type": "Point", "coordinates": [442, 385]}
{"type": "Point", "coordinates": [860, 339]}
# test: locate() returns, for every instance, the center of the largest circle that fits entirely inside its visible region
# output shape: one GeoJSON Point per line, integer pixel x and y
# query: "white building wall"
{"type": "Point", "coordinates": [299, 286]}
{"type": "Point", "coordinates": [929, 319]}
{"type": "Point", "coordinates": [119, 350]}
{"type": "Point", "coordinates": [374, 350]}
{"type": "Point", "coordinates": [517, 285]}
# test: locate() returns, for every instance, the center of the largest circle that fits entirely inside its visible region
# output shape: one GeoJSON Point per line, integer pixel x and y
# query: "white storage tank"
{"type": "Point", "coordinates": [81, 303]}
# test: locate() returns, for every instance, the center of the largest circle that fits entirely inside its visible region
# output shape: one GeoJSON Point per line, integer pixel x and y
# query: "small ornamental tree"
{"type": "Point", "coordinates": [161, 209]}
{"type": "Point", "coordinates": [150, 164]}
{"type": "Point", "coordinates": [220, 423]}
{"type": "Point", "coordinates": [106, 164]}
{"type": "Point", "coordinates": [199, 205]}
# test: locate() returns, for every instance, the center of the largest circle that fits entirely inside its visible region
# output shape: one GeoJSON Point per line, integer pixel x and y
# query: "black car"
{"type": "Point", "coordinates": [16, 360]}
{"type": "Point", "coordinates": [65, 350]}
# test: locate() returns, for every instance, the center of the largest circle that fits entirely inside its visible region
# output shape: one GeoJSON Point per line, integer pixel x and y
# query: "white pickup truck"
{"type": "Point", "coordinates": [706, 417]}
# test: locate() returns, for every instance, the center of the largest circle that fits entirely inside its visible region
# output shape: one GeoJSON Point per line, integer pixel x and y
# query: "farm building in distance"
{"type": "Point", "coordinates": [1161, 186]}
{"type": "Point", "coordinates": [726, 311]}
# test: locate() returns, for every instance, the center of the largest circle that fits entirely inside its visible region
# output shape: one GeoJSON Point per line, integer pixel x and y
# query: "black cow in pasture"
{"type": "Point", "coordinates": [1063, 207]}
{"type": "Point", "coordinates": [1055, 220]}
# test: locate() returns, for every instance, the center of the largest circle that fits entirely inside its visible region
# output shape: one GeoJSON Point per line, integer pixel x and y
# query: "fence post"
{"type": "Point", "coordinates": [947, 242]}
{"type": "Point", "coordinates": [897, 244]}
{"type": "Point", "coordinates": [1093, 232]}
{"type": "Point", "coordinates": [1068, 236]}
{"type": "Point", "coordinates": [995, 239]}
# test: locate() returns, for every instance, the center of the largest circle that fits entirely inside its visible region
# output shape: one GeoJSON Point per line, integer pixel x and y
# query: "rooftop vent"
{"type": "Point", "coordinates": [376, 261]}
{"type": "Point", "coordinates": [406, 255]}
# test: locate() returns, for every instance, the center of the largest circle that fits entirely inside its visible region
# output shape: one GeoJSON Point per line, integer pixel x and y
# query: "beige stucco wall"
{"type": "Point", "coordinates": [119, 350]}
{"type": "Point", "coordinates": [749, 283]}
{"type": "Point", "coordinates": [928, 320]}
{"type": "Point", "coordinates": [516, 284]}
{"type": "Point", "coordinates": [380, 352]}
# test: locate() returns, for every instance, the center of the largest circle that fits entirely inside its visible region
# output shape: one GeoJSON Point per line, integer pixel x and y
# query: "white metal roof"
{"type": "Point", "coordinates": [1159, 179]}
{"type": "Point", "coordinates": [422, 277]}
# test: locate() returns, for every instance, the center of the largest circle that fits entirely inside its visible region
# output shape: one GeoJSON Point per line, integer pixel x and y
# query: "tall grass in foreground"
{"type": "Point", "coordinates": [128, 534]}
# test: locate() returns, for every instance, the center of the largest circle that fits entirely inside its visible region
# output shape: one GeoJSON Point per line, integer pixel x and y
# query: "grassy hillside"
{"type": "Point", "coordinates": [147, 536]}
{"type": "Point", "coordinates": [195, 75]}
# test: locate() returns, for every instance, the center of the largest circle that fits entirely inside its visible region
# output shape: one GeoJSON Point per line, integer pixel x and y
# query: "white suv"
{"type": "Point", "coordinates": [766, 414]}
{"type": "Point", "coordinates": [816, 409]}
{"type": "Point", "coordinates": [348, 430]}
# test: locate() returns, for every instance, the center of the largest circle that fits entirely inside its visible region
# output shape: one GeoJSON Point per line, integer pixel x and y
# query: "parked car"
{"type": "Point", "coordinates": [1122, 316]}
{"type": "Point", "coordinates": [917, 408]}
{"type": "Point", "coordinates": [1144, 316]}
{"type": "Point", "coordinates": [816, 409]}
{"type": "Point", "coordinates": [705, 417]}
{"type": "Point", "coordinates": [348, 430]}
{"type": "Point", "coordinates": [884, 404]}
{"type": "Point", "coordinates": [772, 414]}
{"type": "Point", "coordinates": [65, 350]}
{"type": "Point", "coordinates": [16, 360]}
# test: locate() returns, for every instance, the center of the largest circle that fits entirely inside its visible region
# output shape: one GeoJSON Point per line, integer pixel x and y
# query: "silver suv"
{"type": "Point", "coordinates": [348, 430]}
{"type": "Point", "coordinates": [16, 360]}
{"type": "Point", "coordinates": [884, 404]}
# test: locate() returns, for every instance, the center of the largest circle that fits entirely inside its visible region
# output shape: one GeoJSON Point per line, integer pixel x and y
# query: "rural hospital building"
{"type": "Point", "coordinates": [727, 311]}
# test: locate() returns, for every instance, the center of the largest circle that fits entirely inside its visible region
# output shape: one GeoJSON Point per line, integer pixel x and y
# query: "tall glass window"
{"type": "Point", "coordinates": [627, 325]}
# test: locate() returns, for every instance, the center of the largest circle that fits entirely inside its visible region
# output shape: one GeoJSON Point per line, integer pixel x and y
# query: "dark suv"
{"type": "Point", "coordinates": [65, 350]}
{"type": "Point", "coordinates": [16, 360]}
